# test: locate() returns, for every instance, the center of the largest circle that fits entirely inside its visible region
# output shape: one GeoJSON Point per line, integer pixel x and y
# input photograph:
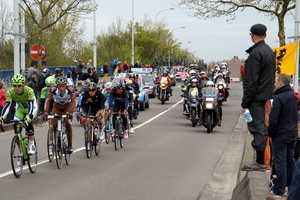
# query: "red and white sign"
{"type": "Point", "coordinates": [34, 52]}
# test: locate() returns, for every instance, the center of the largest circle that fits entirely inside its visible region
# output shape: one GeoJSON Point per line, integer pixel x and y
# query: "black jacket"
{"type": "Point", "coordinates": [94, 78]}
{"type": "Point", "coordinates": [258, 80]}
{"type": "Point", "coordinates": [283, 120]}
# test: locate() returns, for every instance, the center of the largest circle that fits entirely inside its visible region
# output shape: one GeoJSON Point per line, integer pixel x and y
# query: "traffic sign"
{"type": "Point", "coordinates": [34, 52]}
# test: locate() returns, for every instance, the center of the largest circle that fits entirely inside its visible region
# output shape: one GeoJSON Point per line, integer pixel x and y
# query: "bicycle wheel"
{"type": "Point", "coordinates": [97, 141]}
{"type": "Point", "coordinates": [59, 151]}
{"type": "Point", "coordinates": [85, 134]}
{"type": "Point", "coordinates": [16, 157]}
{"type": "Point", "coordinates": [117, 135]}
{"type": "Point", "coordinates": [106, 131]}
{"type": "Point", "coordinates": [89, 150]}
{"type": "Point", "coordinates": [67, 155]}
{"type": "Point", "coordinates": [33, 160]}
{"type": "Point", "coordinates": [50, 145]}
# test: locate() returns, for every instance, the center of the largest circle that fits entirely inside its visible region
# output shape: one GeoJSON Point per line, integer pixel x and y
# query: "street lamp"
{"type": "Point", "coordinates": [162, 11]}
{"type": "Point", "coordinates": [170, 50]}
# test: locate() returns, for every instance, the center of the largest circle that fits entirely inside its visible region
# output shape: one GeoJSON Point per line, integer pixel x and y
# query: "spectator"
{"type": "Point", "coordinates": [115, 63]}
{"type": "Point", "coordinates": [137, 64]}
{"type": "Point", "coordinates": [258, 86]}
{"type": "Point", "coordinates": [58, 72]}
{"type": "Point", "coordinates": [32, 83]}
{"type": "Point", "coordinates": [283, 126]}
{"type": "Point", "coordinates": [30, 71]}
{"type": "Point", "coordinates": [105, 72]}
{"type": "Point", "coordinates": [2, 95]}
{"type": "Point", "coordinates": [89, 64]}
{"type": "Point", "coordinates": [70, 81]}
{"type": "Point", "coordinates": [126, 67]}
{"type": "Point", "coordinates": [242, 71]}
{"type": "Point", "coordinates": [90, 74]}
{"type": "Point", "coordinates": [74, 75]}
{"type": "Point", "coordinates": [79, 68]}
{"type": "Point", "coordinates": [120, 67]}
{"type": "Point", "coordinates": [41, 80]}
{"type": "Point", "coordinates": [294, 192]}
{"type": "Point", "coordinates": [111, 68]}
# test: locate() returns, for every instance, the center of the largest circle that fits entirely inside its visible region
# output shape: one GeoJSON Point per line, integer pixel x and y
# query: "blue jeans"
{"type": "Point", "coordinates": [294, 192]}
{"type": "Point", "coordinates": [283, 156]}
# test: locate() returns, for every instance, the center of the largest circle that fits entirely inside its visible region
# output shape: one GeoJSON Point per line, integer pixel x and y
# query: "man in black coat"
{"type": "Point", "coordinates": [257, 89]}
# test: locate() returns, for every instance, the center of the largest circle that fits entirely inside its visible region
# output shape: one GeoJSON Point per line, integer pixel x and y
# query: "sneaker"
{"type": "Point", "coordinates": [254, 167]}
{"type": "Point", "coordinates": [70, 149]}
{"type": "Point", "coordinates": [50, 151]}
{"type": "Point", "coordinates": [126, 135]}
{"type": "Point", "coordinates": [31, 150]}
{"type": "Point", "coordinates": [275, 195]}
{"type": "Point", "coordinates": [102, 135]}
{"type": "Point", "coordinates": [131, 130]}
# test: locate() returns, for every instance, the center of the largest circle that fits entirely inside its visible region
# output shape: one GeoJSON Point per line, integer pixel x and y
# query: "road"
{"type": "Point", "coordinates": [166, 158]}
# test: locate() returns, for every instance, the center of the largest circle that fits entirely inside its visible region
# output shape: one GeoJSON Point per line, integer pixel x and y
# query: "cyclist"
{"type": "Point", "coordinates": [119, 96]}
{"type": "Point", "coordinates": [50, 82]}
{"type": "Point", "coordinates": [94, 105]}
{"type": "Point", "coordinates": [64, 103]}
{"type": "Point", "coordinates": [131, 95]}
{"type": "Point", "coordinates": [26, 106]}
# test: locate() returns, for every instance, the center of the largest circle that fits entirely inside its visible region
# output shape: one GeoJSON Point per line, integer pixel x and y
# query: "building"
{"type": "Point", "coordinates": [234, 67]}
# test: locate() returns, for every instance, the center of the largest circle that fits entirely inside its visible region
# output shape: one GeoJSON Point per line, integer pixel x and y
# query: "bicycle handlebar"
{"type": "Point", "coordinates": [56, 116]}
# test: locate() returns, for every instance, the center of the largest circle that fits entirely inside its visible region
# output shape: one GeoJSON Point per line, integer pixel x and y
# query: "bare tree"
{"type": "Point", "coordinates": [45, 14]}
{"type": "Point", "coordinates": [275, 9]}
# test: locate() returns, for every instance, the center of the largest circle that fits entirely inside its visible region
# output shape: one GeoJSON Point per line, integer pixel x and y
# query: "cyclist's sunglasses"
{"type": "Point", "coordinates": [92, 90]}
{"type": "Point", "coordinates": [17, 85]}
{"type": "Point", "coordinates": [120, 88]}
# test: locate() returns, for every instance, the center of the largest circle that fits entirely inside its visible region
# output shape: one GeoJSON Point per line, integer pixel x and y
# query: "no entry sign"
{"type": "Point", "coordinates": [34, 52]}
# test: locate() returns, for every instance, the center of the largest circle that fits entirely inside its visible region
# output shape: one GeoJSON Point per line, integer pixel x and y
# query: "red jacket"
{"type": "Point", "coordinates": [168, 79]}
{"type": "Point", "coordinates": [298, 98]}
{"type": "Point", "coordinates": [2, 98]}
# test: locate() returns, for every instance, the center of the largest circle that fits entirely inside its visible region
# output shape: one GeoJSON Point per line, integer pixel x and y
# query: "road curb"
{"type": "Point", "coordinates": [225, 175]}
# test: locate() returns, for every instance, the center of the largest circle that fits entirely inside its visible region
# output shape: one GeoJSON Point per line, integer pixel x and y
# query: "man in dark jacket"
{"type": "Point", "coordinates": [91, 74]}
{"type": "Point", "coordinates": [283, 125]}
{"type": "Point", "coordinates": [257, 89]}
{"type": "Point", "coordinates": [41, 80]}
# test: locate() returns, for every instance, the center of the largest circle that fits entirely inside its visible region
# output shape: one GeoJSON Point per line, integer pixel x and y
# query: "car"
{"type": "Point", "coordinates": [149, 78]}
{"type": "Point", "coordinates": [143, 98]}
{"type": "Point", "coordinates": [181, 73]}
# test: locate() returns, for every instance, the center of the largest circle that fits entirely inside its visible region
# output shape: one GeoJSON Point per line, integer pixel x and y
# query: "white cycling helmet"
{"type": "Point", "coordinates": [108, 85]}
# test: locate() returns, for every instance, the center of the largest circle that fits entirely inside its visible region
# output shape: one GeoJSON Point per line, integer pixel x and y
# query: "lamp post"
{"type": "Point", "coordinates": [132, 35]}
{"type": "Point", "coordinates": [169, 57]}
{"type": "Point", "coordinates": [162, 11]}
{"type": "Point", "coordinates": [95, 41]}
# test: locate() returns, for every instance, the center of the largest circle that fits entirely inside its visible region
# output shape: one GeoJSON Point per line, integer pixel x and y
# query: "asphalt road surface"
{"type": "Point", "coordinates": [166, 158]}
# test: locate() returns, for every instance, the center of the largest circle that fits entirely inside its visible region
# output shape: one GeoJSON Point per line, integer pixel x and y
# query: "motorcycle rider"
{"type": "Point", "coordinates": [204, 79]}
{"type": "Point", "coordinates": [193, 84]}
{"type": "Point", "coordinates": [211, 84]}
{"type": "Point", "coordinates": [164, 77]}
{"type": "Point", "coordinates": [136, 90]}
{"type": "Point", "coordinates": [219, 78]}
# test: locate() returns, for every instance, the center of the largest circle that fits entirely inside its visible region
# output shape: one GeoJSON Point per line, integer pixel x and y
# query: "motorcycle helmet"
{"type": "Point", "coordinates": [202, 72]}
{"type": "Point", "coordinates": [92, 86]}
{"type": "Point", "coordinates": [18, 80]}
{"type": "Point", "coordinates": [107, 85]}
{"type": "Point", "coordinates": [218, 68]}
{"type": "Point", "coordinates": [223, 67]}
{"type": "Point", "coordinates": [50, 80]}
{"type": "Point", "coordinates": [194, 80]}
{"type": "Point", "coordinates": [165, 72]}
{"type": "Point", "coordinates": [61, 80]}
{"type": "Point", "coordinates": [210, 83]}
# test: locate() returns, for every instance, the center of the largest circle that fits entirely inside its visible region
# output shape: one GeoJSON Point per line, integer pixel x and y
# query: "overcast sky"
{"type": "Point", "coordinates": [212, 39]}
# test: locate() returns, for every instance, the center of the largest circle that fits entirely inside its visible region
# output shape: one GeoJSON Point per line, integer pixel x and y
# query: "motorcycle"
{"type": "Point", "coordinates": [163, 85]}
{"type": "Point", "coordinates": [223, 90]}
{"type": "Point", "coordinates": [192, 105]}
{"type": "Point", "coordinates": [210, 104]}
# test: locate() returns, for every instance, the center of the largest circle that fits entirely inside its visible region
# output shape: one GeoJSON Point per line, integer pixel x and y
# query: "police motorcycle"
{"type": "Point", "coordinates": [223, 90]}
{"type": "Point", "coordinates": [192, 104]}
{"type": "Point", "coordinates": [210, 106]}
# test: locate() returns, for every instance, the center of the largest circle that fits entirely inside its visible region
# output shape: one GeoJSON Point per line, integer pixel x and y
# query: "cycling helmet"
{"type": "Point", "coordinates": [129, 82]}
{"type": "Point", "coordinates": [50, 80]}
{"type": "Point", "coordinates": [18, 80]}
{"type": "Point", "coordinates": [107, 85]}
{"type": "Point", "coordinates": [192, 72]}
{"type": "Point", "coordinates": [210, 83]}
{"type": "Point", "coordinates": [120, 84]}
{"type": "Point", "coordinates": [92, 86]}
{"type": "Point", "coordinates": [61, 80]}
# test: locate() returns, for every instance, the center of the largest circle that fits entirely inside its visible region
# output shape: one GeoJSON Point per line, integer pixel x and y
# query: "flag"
{"type": "Point", "coordinates": [285, 57]}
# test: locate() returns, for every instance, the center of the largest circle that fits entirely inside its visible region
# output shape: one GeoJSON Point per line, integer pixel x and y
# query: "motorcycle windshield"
{"type": "Point", "coordinates": [210, 92]}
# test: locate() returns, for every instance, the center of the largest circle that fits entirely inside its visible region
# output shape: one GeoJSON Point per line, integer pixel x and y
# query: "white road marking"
{"type": "Point", "coordinates": [82, 148]}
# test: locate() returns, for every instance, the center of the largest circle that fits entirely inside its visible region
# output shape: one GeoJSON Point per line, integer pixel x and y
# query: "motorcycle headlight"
{"type": "Point", "coordinates": [209, 105]}
{"type": "Point", "coordinates": [220, 87]}
{"type": "Point", "coordinates": [163, 84]}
